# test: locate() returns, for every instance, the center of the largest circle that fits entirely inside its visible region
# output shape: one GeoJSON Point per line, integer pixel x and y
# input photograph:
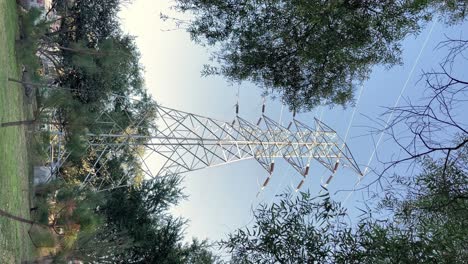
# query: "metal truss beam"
{"type": "Point", "coordinates": [187, 142]}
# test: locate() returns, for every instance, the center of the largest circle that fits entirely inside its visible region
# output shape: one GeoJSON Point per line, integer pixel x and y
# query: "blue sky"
{"type": "Point", "coordinates": [221, 198]}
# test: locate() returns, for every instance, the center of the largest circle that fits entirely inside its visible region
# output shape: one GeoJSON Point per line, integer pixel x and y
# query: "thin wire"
{"type": "Point", "coordinates": [254, 109]}
{"type": "Point", "coordinates": [256, 199]}
{"type": "Point", "coordinates": [354, 112]}
{"type": "Point", "coordinates": [351, 120]}
{"type": "Point", "coordinates": [392, 111]}
{"type": "Point", "coordinates": [281, 115]}
{"type": "Point", "coordinates": [289, 168]}
{"type": "Point", "coordinates": [280, 183]}
{"type": "Point", "coordinates": [237, 100]}
{"type": "Point", "coordinates": [321, 114]}
{"type": "Point", "coordinates": [401, 94]}
{"type": "Point", "coordinates": [251, 219]}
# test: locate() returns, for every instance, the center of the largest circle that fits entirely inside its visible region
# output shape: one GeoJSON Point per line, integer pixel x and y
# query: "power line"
{"type": "Point", "coordinates": [405, 85]}
{"type": "Point", "coordinates": [330, 178]}
{"type": "Point", "coordinates": [354, 112]}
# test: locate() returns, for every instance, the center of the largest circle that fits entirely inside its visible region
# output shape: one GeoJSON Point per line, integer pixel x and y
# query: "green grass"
{"type": "Point", "coordinates": [15, 244]}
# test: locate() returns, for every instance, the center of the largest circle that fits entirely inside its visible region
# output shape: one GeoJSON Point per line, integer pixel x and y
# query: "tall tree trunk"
{"type": "Point", "coordinates": [18, 123]}
{"type": "Point", "coordinates": [83, 51]}
{"type": "Point", "coordinates": [30, 83]}
{"type": "Point", "coordinates": [20, 219]}
{"type": "Point", "coordinates": [28, 122]}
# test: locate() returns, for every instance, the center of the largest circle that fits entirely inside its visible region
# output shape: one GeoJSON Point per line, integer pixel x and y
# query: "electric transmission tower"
{"type": "Point", "coordinates": [181, 142]}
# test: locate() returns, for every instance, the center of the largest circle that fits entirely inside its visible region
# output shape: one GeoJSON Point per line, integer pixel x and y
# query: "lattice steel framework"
{"type": "Point", "coordinates": [182, 142]}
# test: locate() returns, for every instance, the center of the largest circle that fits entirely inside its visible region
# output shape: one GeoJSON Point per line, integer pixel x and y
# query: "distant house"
{"type": "Point", "coordinates": [39, 4]}
{"type": "Point", "coordinates": [44, 6]}
{"type": "Point", "coordinates": [43, 174]}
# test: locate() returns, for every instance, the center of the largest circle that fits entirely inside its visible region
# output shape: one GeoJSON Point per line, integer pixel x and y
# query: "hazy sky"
{"type": "Point", "coordinates": [221, 198]}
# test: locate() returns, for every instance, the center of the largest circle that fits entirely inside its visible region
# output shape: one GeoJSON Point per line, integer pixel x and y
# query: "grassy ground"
{"type": "Point", "coordinates": [15, 244]}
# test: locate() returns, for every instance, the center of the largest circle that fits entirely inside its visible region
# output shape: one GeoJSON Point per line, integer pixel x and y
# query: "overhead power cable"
{"type": "Point", "coordinates": [403, 89]}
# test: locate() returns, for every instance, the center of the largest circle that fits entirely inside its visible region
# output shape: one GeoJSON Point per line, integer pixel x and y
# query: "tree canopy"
{"type": "Point", "coordinates": [421, 219]}
{"type": "Point", "coordinates": [310, 52]}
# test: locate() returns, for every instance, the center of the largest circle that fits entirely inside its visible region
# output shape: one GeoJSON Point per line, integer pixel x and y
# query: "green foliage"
{"type": "Point", "coordinates": [84, 62]}
{"type": "Point", "coordinates": [38, 147]}
{"type": "Point", "coordinates": [101, 246]}
{"type": "Point", "coordinates": [428, 224]}
{"type": "Point", "coordinates": [433, 210]}
{"type": "Point", "coordinates": [75, 212]}
{"type": "Point", "coordinates": [310, 52]}
{"type": "Point", "coordinates": [197, 252]}
{"type": "Point", "coordinates": [90, 20]}
{"type": "Point", "coordinates": [98, 71]}
{"type": "Point", "coordinates": [74, 117]}
{"type": "Point", "coordinates": [96, 74]}
{"type": "Point", "coordinates": [142, 213]}
{"type": "Point", "coordinates": [452, 11]}
{"type": "Point", "coordinates": [72, 204]}
{"type": "Point", "coordinates": [32, 29]}
{"type": "Point", "coordinates": [140, 217]}
{"type": "Point", "coordinates": [42, 237]}
{"type": "Point", "coordinates": [292, 230]}
{"type": "Point", "coordinates": [42, 212]}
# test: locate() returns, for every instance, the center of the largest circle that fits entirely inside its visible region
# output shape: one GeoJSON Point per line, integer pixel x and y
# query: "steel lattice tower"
{"type": "Point", "coordinates": [184, 142]}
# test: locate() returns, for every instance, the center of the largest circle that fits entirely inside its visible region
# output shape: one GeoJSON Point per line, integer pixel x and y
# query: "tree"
{"type": "Point", "coordinates": [310, 52]}
{"type": "Point", "coordinates": [8, 215]}
{"type": "Point", "coordinates": [432, 126]}
{"type": "Point", "coordinates": [197, 252]}
{"type": "Point", "coordinates": [98, 74]}
{"type": "Point", "coordinates": [292, 230]}
{"type": "Point", "coordinates": [92, 21]}
{"type": "Point", "coordinates": [127, 225]}
{"type": "Point", "coordinates": [142, 213]}
{"type": "Point", "coordinates": [67, 217]}
{"type": "Point", "coordinates": [452, 11]}
{"type": "Point", "coordinates": [421, 219]}
{"type": "Point", "coordinates": [94, 74]}
{"type": "Point", "coordinates": [428, 222]}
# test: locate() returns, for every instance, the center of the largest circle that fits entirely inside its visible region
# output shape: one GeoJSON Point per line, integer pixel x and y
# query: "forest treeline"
{"type": "Point", "coordinates": [96, 71]}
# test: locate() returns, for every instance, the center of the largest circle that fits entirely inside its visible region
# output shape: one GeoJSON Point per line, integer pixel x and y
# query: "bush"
{"type": "Point", "coordinates": [42, 237]}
